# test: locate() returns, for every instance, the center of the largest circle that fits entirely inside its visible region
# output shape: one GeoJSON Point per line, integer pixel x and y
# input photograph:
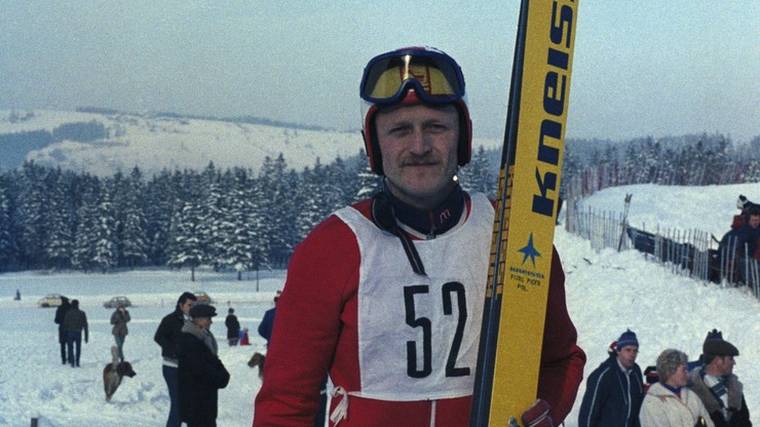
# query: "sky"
{"type": "Point", "coordinates": [607, 292]}
{"type": "Point", "coordinates": [647, 68]}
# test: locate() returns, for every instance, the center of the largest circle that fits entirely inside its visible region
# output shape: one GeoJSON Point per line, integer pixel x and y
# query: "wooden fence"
{"type": "Point", "coordinates": [690, 253]}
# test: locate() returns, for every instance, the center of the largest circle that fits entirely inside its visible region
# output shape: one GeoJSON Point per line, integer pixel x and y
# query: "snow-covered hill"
{"type": "Point", "coordinates": [156, 142]}
{"type": "Point", "coordinates": [607, 292]}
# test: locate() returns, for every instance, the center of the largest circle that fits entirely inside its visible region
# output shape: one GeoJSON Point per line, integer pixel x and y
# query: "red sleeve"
{"type": "Point", "coordinates": [562, 360]}
{"type": "Point", "coordinates": [321, 274]}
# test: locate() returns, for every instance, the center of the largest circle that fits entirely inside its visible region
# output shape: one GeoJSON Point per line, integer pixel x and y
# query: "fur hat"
{"type": "Point", "coordinates": [627, 338]}
{"type": "Point", "coordinates": [202, 310]}
{"type": "Point", "coordinates": [741, 202]}
{"type": "Point", "coordinates": [668, 361]}
{"type": "Point", "coordinates": [715, 345]}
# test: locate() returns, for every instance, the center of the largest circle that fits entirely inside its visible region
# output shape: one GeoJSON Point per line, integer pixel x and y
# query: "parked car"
{"type": "Point", "coordinates": [50, 300]}
{"type": "Point", "coordinates": [115, 301]}
{"type": "Point", "coordinates": [203, 297]}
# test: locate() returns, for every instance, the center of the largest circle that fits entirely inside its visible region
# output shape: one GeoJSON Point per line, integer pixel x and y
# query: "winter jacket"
{"type": "Point", "coordinates": [168, 332]}
{"type": "Point", "coordinates": [119, 321]}
{"type": "Point", "coordinates": [200, 375]}
{"type": "Point", "coordinates": [266, 325]}
{"type": "Point", "coordinates": [323, 322]}
{"type": "Point", "coordinates": [662, 408]}
{"type": "Point", "coordinates": [233, 326]}
{"type": "Point", "coordinates": [738, 414]}
{"type": "Point", "coordinates": [74, 321]}
{"type": "Point", "coordinates": [60, 313]}
{"type": "Point", "coordinates": [612, 398]}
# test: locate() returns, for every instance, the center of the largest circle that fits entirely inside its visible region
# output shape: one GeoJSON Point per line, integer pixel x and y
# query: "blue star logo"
{"type": "Point", "coordinates": [530, 251]}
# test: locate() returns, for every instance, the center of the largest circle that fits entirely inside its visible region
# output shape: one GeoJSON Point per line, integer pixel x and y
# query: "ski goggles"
{"type": "Point", "coordinates": [435, 77]}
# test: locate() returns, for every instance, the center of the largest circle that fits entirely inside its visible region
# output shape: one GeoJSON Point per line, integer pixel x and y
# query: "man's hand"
{"type": "Point", "coordinates": [538, 415]}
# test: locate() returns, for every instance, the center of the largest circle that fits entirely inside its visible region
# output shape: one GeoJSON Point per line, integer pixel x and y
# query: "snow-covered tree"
{"type": "Point", "coordinates": [85, 236]}
{"type": "Point", "coordinates": [134, 246]}
{"type": "Point", "coordinates": [7, 245]}
{"type": "Point", "coordinates": [32, 215]}
{"type": "Point", "coordinates": [367, 182]}
{"type": "Point", "coordinates": [187, 250]}
{"type": "Point", "coordinates": [105, 228]}
{"type": "Point", "coordinates": [60, 240]}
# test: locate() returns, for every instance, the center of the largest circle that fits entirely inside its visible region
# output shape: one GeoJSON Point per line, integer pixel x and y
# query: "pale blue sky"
{"type": "Point", "coordinates": [641, 68]}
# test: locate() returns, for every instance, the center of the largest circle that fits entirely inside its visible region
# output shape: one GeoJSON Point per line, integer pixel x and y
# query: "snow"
{"type": "Point", "coordinates": [155, 143]}
{"type": "Point", "coordinates": [607, 292]}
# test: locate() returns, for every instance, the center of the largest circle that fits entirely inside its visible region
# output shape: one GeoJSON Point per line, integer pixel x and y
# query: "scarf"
{"type": "Point", "coordinates": [202, 334]}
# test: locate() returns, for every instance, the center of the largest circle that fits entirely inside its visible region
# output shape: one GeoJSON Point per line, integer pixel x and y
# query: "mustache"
{"type": "Point", "coordinates": [423, 160]}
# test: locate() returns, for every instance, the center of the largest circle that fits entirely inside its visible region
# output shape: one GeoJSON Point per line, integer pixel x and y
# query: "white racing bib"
{"type": "Point", "coordinates": [419, 336]}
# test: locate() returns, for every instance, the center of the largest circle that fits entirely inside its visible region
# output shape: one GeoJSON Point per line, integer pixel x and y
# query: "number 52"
{"type": "Point", "coordinates": [447, 290]}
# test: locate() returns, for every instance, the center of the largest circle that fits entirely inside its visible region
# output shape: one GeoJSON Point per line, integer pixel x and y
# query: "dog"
{"type": "Point", "coordinates": [114, 372]}
{"type": "Point", "coordinates": [257, 360]}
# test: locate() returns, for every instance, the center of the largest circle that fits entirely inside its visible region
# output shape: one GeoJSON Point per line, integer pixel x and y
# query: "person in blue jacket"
{"type": "Point", "coordinates": [614, 391]}
{"type": "Point", "coordinates": [267, 323]}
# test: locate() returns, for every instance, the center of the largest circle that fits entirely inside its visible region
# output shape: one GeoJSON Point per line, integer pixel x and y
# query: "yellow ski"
{"type": "Point", "coordinates": [506, 378]}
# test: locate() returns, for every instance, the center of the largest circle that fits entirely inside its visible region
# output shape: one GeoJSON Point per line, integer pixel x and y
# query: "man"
{"type": "Point", "coordinates": [60, 314]}
{"type": "Point", "coordinates": [387, 295]}
{"type": "Point", "coordinates": [167, 336]}
{"type": "Point", "coordinates": [717, 386]}
{"type": "Point", "coordinates": [201, 373]}
{"type": "Point", "coordinates": [614, 391]}
{"type": "Point", "coordinates": [741, 244]}
{"type": "Point", "coordinates": [267, 322]}
{"type": "Point", "coordinates": [74, 321]}
{"type": "Point", "coordinates": [233, 327]}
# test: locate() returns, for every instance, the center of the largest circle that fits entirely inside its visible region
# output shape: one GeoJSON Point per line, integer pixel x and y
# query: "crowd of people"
{"type": "Point", "coordinates": [702, 393]}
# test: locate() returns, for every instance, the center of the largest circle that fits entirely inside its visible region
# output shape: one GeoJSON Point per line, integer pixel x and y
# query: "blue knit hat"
{"type": "Point", "coordinates": [627, 338]}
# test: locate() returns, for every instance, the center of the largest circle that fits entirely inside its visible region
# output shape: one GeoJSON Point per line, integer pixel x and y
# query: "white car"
{"type": "Point", "coordinates": [50, 300]}
{"type": "Point", "coordinates": [115, 301]}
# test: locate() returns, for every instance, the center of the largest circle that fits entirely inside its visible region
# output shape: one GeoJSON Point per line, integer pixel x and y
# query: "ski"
{"type": "Point", "coordinates": [506, 377]}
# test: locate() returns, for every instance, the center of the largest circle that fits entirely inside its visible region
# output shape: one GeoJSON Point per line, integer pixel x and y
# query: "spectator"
{"type": "Point", "coordinates": [367, 289]}
{"type": "Point", "coordinates": [669, 403]}
{"type": "Point", "coordinates": [167, 336]}
{"type": "Point", "coordinates": [60, 313]}
{"type": "Point", "coordinates": [119, 320]}
{"type": "Point", "coordinates": [614, 390]}
{"type": "Point", "coordinates": [717, 386]}
{"type": "Point", "coordinates": [267, 322]}
{"type": "Point", "coordinates": [74, 322]}
{"type": "Point", "coordinates": [740, 244]}
{"type": "Point", "coordinates": [233, 327]}
{"type": "Point", "coordinates": [201, 373]}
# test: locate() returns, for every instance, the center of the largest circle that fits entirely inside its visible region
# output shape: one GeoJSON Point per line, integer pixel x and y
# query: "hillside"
{"type": "Point", "coordinates": [154, 142]}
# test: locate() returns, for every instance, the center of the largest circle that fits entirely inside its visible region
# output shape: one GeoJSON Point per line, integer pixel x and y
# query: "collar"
{"type": "Point", "coordinates": [625, 370]}
{"type": "Point", "coordinates": [675, 390]}
{"type": "Point", "coordinates": [434, 222]}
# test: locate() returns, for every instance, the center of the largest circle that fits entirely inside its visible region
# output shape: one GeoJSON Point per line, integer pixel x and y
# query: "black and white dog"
{"type": "Point", "coordinates": [114, 372]}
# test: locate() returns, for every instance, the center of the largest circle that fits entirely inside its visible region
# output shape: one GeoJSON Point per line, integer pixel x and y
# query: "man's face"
{"type": "Point", "coordinates": [627, 356]}
{"type": "Point", "coordinates": [725, 364]}
{"type": "Point", "coordinates": [203, 322]}
{"type": "Point", "coordinates": [185, 306]}
{"type": "Point", "coordinates": [754, 221]}
{"type": "Point", "coordinates": [419, 150]}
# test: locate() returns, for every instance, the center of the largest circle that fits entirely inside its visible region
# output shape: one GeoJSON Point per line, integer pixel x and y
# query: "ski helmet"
{"type": "Point", "coordinates": [407, 76]}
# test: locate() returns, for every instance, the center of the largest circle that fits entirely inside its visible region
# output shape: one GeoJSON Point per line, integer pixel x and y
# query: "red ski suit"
{"type": "Point", "coordinates": [317, 332]}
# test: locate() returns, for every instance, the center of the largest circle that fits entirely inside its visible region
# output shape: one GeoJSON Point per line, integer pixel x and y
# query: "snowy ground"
{"type": "Point", "coordinates": [607, 293]}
